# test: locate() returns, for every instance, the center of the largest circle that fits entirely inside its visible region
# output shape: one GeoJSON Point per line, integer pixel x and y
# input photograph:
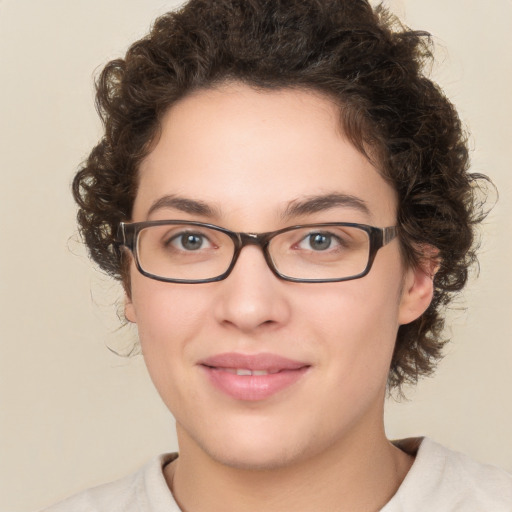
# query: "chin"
{"type": "Point", "coordinates": [254, 458]}
{"type": "Point", "coordinates": [246, 447]}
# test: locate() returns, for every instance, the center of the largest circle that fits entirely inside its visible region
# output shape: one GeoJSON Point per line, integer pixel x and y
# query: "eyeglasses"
{"type": "Point", "coordinates": [194, 252]}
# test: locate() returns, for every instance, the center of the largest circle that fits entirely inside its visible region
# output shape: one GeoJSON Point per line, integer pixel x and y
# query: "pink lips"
{"type": "Point", "coordinates": [252, 377]}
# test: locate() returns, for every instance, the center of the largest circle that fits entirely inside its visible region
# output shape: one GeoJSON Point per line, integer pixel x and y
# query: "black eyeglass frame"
{"type": "Point", "coordinates": [128, 232]}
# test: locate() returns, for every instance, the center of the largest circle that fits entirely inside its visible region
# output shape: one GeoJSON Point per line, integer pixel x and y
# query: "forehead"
{"type": "Point", "coordinates": [251, 153]}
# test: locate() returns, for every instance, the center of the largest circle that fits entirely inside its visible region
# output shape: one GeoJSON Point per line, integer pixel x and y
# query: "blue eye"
{"type": "Point", "coordinates": [189, 241]}
{"type": "Point", "coordinates": [318, 241]}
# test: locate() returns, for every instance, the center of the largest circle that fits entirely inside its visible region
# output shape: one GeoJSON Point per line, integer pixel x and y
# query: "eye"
{"type": "Point", "coordinates": [189, 241]}
{"type": "Point", "coordinates": [318, 241]}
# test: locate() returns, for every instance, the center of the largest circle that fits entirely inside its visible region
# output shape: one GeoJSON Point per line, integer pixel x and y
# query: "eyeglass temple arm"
{"type": "Point", "coordinates": [389, 234]}
{"type": "Point", "coordinates": [123, 237]}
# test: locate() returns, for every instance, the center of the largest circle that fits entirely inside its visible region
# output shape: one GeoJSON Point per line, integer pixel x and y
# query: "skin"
{"type": "Point", "coordinates": [319, 444]}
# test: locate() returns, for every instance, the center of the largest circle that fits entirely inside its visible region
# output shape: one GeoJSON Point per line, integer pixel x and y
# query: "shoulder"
{"type": "Point", "coordinates": [143, 491]}
{"type": "Point", "coordinates": [444, 480]}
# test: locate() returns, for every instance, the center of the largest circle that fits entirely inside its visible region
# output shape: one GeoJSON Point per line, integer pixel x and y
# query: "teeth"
{"type": "Point", "coordinates": [245, 372]}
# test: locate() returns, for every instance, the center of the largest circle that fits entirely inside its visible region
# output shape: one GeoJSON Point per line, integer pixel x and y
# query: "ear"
{"type": "Point", "coordinates": [129, 309]}
{"type": "Point", "coordinates": [418, 286]}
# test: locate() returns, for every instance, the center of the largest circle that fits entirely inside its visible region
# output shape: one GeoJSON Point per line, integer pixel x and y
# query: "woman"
{"type": "Point", "coordinates": [285, 198]}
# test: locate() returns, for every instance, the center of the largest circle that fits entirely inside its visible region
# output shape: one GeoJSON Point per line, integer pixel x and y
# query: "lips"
{"type": "Point", "coordinates": [252, 377]}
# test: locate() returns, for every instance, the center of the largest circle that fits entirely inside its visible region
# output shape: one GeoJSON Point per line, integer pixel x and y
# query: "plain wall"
{"type": "Point", "coordinates": [73, 414]}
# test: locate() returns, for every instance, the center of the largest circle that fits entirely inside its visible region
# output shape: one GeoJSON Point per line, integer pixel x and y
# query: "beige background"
{"type": "Point", "coordinates": [72, 414]}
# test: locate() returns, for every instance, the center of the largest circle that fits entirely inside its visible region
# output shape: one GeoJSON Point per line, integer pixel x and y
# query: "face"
{"type": "Point", "coordinates": [250, 157]}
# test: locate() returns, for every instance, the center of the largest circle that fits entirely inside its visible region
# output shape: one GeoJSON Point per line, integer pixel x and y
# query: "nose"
{"type": "Point", "coordinates": [252, 298]}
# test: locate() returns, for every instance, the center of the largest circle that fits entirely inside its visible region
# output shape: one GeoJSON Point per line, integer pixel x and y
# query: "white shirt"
{"type": "Point", "coordinates": [440, 480]}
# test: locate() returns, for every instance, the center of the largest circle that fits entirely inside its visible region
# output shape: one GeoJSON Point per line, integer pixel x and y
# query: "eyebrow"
{"type": "Point", "coordinates": [306, 206]}
{"type": "Point", "coordinates": [319, 203]}
{"type": "Point", "coordinates": [185, 205]}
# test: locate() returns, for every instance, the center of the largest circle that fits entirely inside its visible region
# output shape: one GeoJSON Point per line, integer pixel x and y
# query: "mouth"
{"type": "Point", "coordinates": [246, 371]}
{"type": "Point", "coordinates": [252, 377]}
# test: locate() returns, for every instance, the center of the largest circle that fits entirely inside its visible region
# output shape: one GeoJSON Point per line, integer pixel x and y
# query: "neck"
{"type": "Point", "coordinates": [361, 473]}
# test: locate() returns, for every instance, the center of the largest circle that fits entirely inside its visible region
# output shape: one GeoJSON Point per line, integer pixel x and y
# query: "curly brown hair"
{"type": "Point", "coordinates": [365, 60]}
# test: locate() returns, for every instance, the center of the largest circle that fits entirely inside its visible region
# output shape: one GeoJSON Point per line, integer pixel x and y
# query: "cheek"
{"type": "Point", "coordinates": [356, 324]}
{"type": "Point", "coordinates": [168, 317]}
{"type": "Point", "coordinates": [171, 323]}
{"type": "Point", "coordinates": [355, 309]}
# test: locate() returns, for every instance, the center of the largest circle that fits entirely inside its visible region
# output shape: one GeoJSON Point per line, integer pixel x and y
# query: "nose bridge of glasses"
{"type": "Point", "coordinates": [259, 239]}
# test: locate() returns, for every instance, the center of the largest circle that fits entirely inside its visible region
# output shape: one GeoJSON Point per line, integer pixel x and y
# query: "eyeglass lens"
{"type": "Point", "coordinates": [198, 252]}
